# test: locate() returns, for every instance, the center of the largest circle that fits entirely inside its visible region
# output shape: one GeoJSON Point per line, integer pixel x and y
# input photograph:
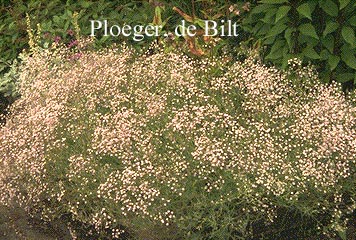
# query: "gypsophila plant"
{"type": "Point", "coordinates": [160, 146]}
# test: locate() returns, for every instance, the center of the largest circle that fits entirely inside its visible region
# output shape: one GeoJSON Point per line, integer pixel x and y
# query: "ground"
{"type": "Point", "coordinates": [15, 224]}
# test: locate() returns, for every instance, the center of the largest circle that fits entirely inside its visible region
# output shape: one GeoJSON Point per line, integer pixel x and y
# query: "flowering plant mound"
{"type": "Point", "coordinates": [160, 146]}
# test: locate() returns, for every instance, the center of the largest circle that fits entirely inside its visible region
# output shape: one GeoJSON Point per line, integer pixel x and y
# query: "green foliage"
{"type": "Point", "coordinates": [55, 18]}
{"type": "Point", "coordinates": [8, 81]}
{"type": "Point", "coordinates": [9, 84]}
{"type": "Point", "coordinates": [322, 32]}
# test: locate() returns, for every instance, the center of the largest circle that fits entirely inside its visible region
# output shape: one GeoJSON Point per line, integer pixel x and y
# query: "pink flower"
{"type": "Point", "coordinates": [70, 32]}
{"type": "Point", "coordinates": [72, 43]}
{"type": "Point", "coordinates": [57, 39]}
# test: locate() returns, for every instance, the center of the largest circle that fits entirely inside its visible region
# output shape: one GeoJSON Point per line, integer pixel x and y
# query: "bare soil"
{"type": "Point", "coordinates": [16, 224]}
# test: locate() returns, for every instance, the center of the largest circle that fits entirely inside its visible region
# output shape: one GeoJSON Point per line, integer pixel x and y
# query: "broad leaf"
{"type": "Point", "coordinates": [269, 40]}
{"type": "Point", "coordinates": [343, 3]}
{"type": "Point", "coordinates": [288, 36]}
{"type": "Point", "coordinates": [261, 8]}
{"type": "Point", "coordinates": [328, 42]}
{"type": "Point", "coordinates": [330, 27]}
{"type": "Point", "coordinates": [349, 58]}
{"type": "Point", "coordinates": [349, 35]}
{"type": "Point", "coordinates": [310, 53]}
{"type": "Point", "coordinates": [344, 77]}
{"type": "Point", "coordinates": [308, 30]}
{"type": "Point", "coordinates": [269, 17]}
{"type": "Point", "coordinates": [352, 21]}
{"type": "Point", "coordinates": [263, 30]}
{"type": "Point", "coordinates": [274, 55]}
{"type": "Point", "coordinates": [276, 50]}
{"type": "Point", "coordinates": [305, 10]}
{"type": "Point", "coordinates": [333, 61]}
{"type": "Point", "coordinates": [324, 55]}
{"type": "Point", "coordinates": [282, 12]}
{"type": "Point", "coordinates": [276, 29]}
{"type": "Point", "coordinates": [329, 7]}
{"type": "Point", "coordinates": [258, 26]}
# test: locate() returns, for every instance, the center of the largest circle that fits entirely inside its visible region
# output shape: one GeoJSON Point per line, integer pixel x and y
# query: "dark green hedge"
{"type": "Point", "coordinates": [322, 32]}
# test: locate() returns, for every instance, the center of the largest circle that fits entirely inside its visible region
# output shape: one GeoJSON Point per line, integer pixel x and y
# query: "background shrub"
{"type": "Point", "coordinates": [322, 32]}
{"type": "Point", "coordinates": [56, 19]}
{"type": "Point", "coordinates": [161, 146]}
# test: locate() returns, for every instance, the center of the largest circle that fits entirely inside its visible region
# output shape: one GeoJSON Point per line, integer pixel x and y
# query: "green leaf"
{"type": "Point", "coordinates": [343, 3]}
{"type": "Point", "coordinates": [276, 52]}
{"type": "Point", "coordinates": [310, 52]}
{"type": "Point", "coordinates": [352, 21]}
{"type": "Point", "coordinates": [85, 4]}
{"type": "Point", "coordinates": [66, 26]}
{"type": "Point", "coordinates": [275, 55]}
{"type": "Point", "coordinates": [273, 1]}
{"type": "Point", "coordinates": [258, 26]}
{"type": "Point", "coordinates": [325, 77]}
{"type": "Point", "coordinates": [67, 14]}
{"type": "Point", "coordinates": [328, 42]}
{"type": "Point", "coordinates": [263, 30]}
{"type": "Point", "coordinates": [324, 55]}
{"type": "Point", "coordinates": [14, 37]}
{"type": "Point", "coordinates": [288, 36]}
{"type": "Point", "coordinates": [261, 8]}
{"type": "Point", "coordinates": [344, 77]}
{"type": "Point", "coordinates": [329, 7]}
{"type": "Point", "coordinates": [56, 19]}
{"type": "Point", "coordinates": [269, 40]}
{"type": "Point", "coordinates": [349, 58]}
{"type": "Point", "coordinates": [282, 12]}
{"type": "Point", "coordinates": [269, 17]}
{"type": "Point", "coordinates": [330, 27]}
{"type": "Point", "coordinates": [276, 29]}
{"type": "Point", "coordinates": [333, 61]}
{"type": "Point", "coordinates": [349, 35]}
{"type": "Point", "coordinates": [305, 10]}
{"type": "Point", "coordinates": [12, 25]}
{"type": "Point", "coordinates": [308, 30]}
{"type": "Point", "coordinates": [157, 20]}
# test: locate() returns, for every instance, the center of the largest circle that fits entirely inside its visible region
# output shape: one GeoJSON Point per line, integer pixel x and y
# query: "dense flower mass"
{"type": "Point", "coordinates": [132, 142]}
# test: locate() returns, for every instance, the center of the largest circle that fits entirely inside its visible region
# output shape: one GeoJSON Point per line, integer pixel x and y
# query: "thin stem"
{"type": "Point", "coordinates": [193, 9]}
